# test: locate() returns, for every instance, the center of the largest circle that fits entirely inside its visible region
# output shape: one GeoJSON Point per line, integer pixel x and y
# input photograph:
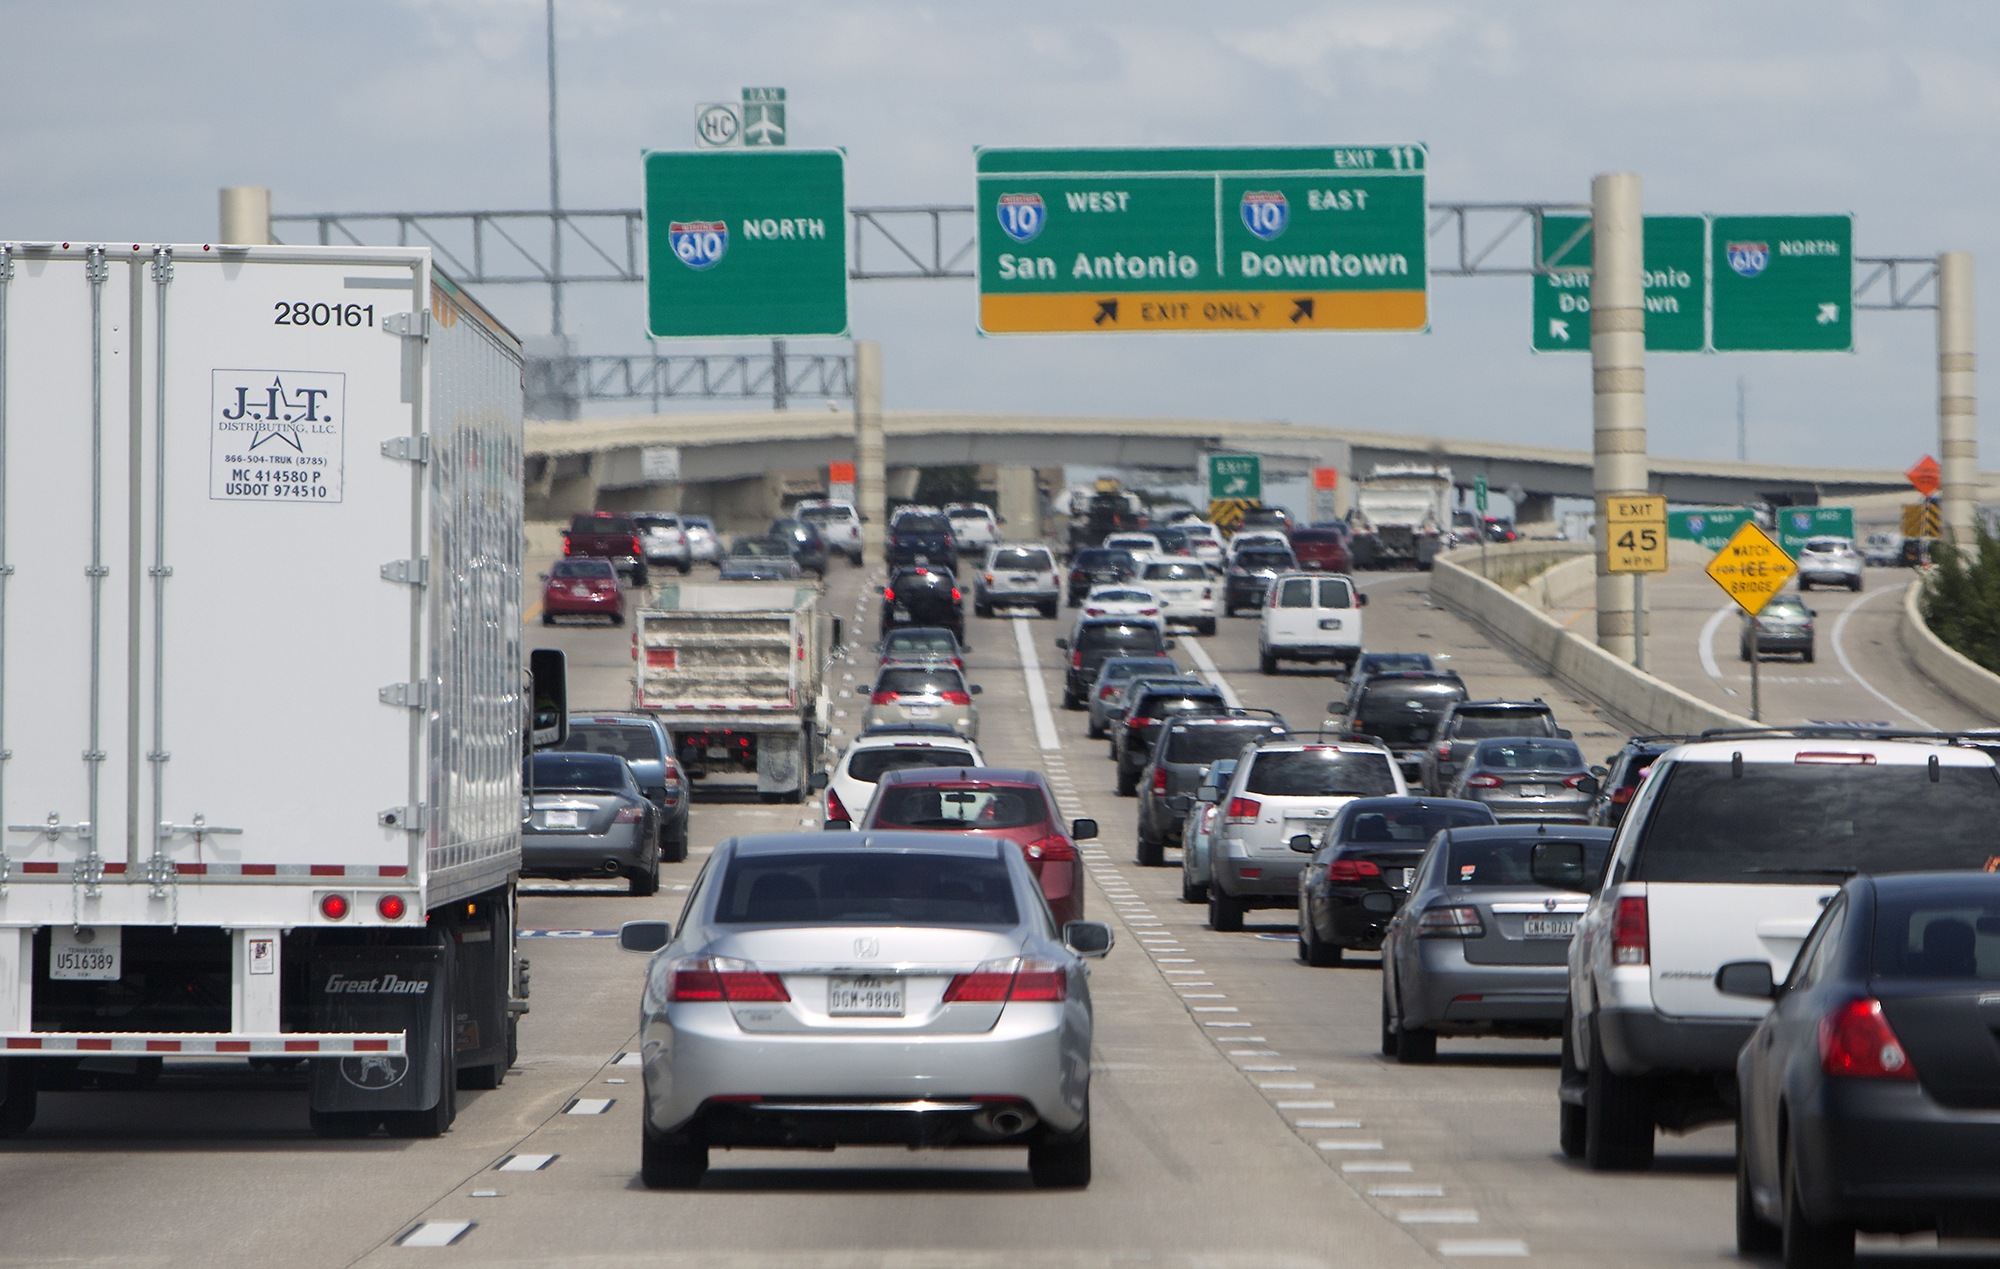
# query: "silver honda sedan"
{"type": "Point", "coordinates": [869, 988]}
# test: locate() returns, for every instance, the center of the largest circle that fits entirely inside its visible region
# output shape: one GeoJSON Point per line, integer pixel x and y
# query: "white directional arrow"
{"type": "Point", "coordinates": [1829, 314]}
{"type": "Point", "coordinates": [1559, 329]}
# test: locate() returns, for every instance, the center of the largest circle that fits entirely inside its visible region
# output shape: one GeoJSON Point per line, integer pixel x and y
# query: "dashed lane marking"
{"type": "Point", "coordinates": [524, 1162]}
{"type": "Point", "coordinates": [1376, 1167]}
{"type": "Point", "coordinates": [589, 1105]}
{"type": "Point", "coordinates": [1439, 1216]}
{"type": "Point", "coordinates": [1406, 1191]}
{"type": "Point", "coordinates": [1349, 1145]}
{"type": "Point", "coordinates": [1482, 1247]}
{"type": "Point", "coordinates": [436, 1234]}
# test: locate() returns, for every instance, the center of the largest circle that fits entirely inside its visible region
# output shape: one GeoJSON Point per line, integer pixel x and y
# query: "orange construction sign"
{"type": "Point", "coordinates": [1926, 476]}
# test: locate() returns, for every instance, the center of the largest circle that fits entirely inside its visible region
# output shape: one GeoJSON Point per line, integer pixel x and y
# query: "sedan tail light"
{"type": "Point", "coordinates": [1136, 723]}
{"type": "Point", "coordinates": [636, 548]}
{"type": "Point", "coordinates": [1631, 936]}
{"type": "Point", "coordinates": [1574, 781]}
{"type": "Point", "coordinates": [1055, 848]}
{"type": "Point", "coordinates": [1451, 923]}
{"type": "Point", "coordinates": [1484, 781]}
{"type": "Point", "coordinates": [630, 815]}
{"type": "Point", "coordinates": [1244, 810]}
{"type": "Point", "coordinates": [1443, 750]}
{"type": "Point", "coordinates": [1076, 659]}
{"type": "Point", "coordinates": [1106, 692]}
{"type": "Point", "coordinates": [1856, 1041]}
{"type": "Point", "coordinates": [1010, 979]}
{"type": "Point", "coordinates": [725, 978]}
{"type": "Point", "coordinates": [1159, 781]}
{"type": "Point", "coordinates": [888, 595]}
{"type": "Point", "coordinates": [1351, 870]}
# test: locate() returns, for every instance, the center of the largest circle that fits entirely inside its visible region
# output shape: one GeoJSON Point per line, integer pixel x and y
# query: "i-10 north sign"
{"type": "Point", "coordinates": [746, 242]}
{"type": "Point", "coordinates": [1267, 238]}
{"type": "Point", "coordinates": [1674, 251]}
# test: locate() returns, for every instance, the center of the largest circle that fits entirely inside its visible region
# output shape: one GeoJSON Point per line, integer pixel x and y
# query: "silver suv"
{"type": "Point", "coordinates": [1281, 791]}
{"type": "Point", "coordinates": [1017, 575]}
{"type": "Point", "coordinates": [1728, 852]}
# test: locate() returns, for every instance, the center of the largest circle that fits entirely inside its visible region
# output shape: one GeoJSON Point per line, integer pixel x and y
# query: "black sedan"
{"type": "Point", "coordinates": [1870, 1094]}
{"type": "Point", "coordinates": [1361, 869]}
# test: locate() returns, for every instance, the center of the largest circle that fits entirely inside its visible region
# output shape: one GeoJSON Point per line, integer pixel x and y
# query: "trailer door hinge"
{"type": "Point", "coordinates": [408, 818]}
{"type": "Point", "coordinates": [415, 449]}
{"type": "Point", "coordinates": [416, 572]}
{"type": "Point", "coordinates": [412, 695]}
{"type": "Point", "coordinates": [415, 325]}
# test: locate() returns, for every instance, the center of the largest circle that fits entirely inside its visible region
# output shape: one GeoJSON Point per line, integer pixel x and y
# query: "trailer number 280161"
{"type": "Point", "coordinates": [300, 313]}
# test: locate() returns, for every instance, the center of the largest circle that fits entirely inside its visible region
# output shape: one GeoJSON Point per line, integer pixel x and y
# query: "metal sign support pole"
{"type": "Point", "coordinates": [1756, 656]}
{"type": "Point", "coordinates": [1639, 622]}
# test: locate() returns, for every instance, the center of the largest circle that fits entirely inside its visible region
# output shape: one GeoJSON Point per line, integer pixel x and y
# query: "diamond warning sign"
{"type": "Point", "coordinates": [1752, 568]}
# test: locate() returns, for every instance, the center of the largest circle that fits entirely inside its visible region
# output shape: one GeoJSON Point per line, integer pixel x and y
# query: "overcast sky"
{"type": "Point", "coordinates": [123, 117]}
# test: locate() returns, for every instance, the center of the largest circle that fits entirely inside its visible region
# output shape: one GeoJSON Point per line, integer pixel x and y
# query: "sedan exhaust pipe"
{"type": "Point", "coordinates": [611, 867]}
{"type": "Point", "coordinates": [1006, 1121]}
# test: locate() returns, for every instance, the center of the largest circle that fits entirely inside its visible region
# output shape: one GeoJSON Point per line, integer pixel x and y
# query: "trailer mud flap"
{"type": "Point", "coordinates": [407, 989]}
{"type": "Point", "coordinates": [779, 762]}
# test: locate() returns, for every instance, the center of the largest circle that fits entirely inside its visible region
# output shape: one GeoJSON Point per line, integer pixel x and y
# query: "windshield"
{"type": "Point", "coordinates": [762, 548]}
{"type": "Point", "coordinates": [1396, 702]}
{"type": "Point", "coordinates": [1529, 755]}
{"type": "Point", "coordinates": [621, 740]}
{"type": "Point", "coordinates": [1409, 824]}
{"type": "Point", "coordinates": [1094, 638]}
{"type": "Point", "coordinates": [867, 765]}
{"type": "Point", "coordinates": [1023, 561]}
{"type": "Point", "coordinates": [925, 682]}
{"type": "Point", "coordinates": [1321, 773]}
{"type": "Point", "coordinates": [1804, 822]}
{"type": "Point", "coordinates": [603, 524]}
{"type": "Point", "coordinates": [857, 888]}
{"type": "Point", "coordinates": [1505, 863]}
{"type": "Point", "coordinates": [1160, 705]}
{"type": "Point", "coordinates": [929, 806]}
{"type": "Point", "coordinates": [1175, 572]}
{"type": "Point", "coordinates": [1479, 724]}
{"type": "Point", "coordinates": [1214, 743]}
{"type": "Point", "coordinates": [1263, 561]}
{"type": "Point", "coordinates": [578, 771]}
{"type": "Point", "coordinates": [1938, 935]}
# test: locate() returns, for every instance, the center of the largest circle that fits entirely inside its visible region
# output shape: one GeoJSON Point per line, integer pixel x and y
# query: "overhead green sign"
{"type": "Point", "coordinates": [1674, 250]}
{"type": "Point", "coordinates": [1796, 524]}
{"type": "Point", "coordinates": [746, 242]}
{"type": "Point", "coordinates": [1235, 476]}
{"type": "Point", "coordinates": [1267, 238]}
{"type": "Point", "coordinates": [1782, 283]}
{"type": "Point", "coordinates": [1712, 528]}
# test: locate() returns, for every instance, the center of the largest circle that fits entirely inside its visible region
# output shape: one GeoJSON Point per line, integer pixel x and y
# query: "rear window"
{"type": "Point", "coordinates": [602, 524]}
{"type": "Point", "coordinates": [762, 548]}
{"type": "Point", "coordinates": [860, 888]}
{"type": "Point", "coordinates": [1098, 557]}
{"type": "Point", "coordinates": [1143, 637]}
{"type": "Point", "coordinates": [578, 771]}
{"type": "Point", "coordinates": [1805, 822]}
{"type": "Point", "coordinates": [620, 740]}
{"type": "Point", "coordinates": [1937, 936]}
{"type": "Point", "coordinates": [1264, 559]}
{"type": "Point", "coordinates": [1505, 863]}
{"type": "Point", "coordinates": [1413, 825]}
{"type": "Point", "coordinates": [1023, 561]}
{"type": "Point", "coordinates": [1383, 662]}
{"type": "Point", "coordinates": [1175, 572]}
{"type": "Point", "coordinates": [1163, 704]}
{"type": "Point", "coordinates": [653, 523]}
{"type": "Point", "coordinates": [1478, 724]}
{"type": "Point", "coordinates": [825, 515]}
{"type": "Point", "coordinates": [867, 765]}
{"type": "Point", "coordinates": [1528, 755]}
{"type": "Point", "coordinates": [1213, 744]}
{"type": "Point", "coordinates": [1317, 536]}
{"type": "Point", "coordinates": [583, 568]}
{"type": "Point", "coordinates": [1321, 773]}
{"type": "Point", "coordinates": [933, 807]}
{"type": "Point", "coordinates": [924, 682]}
{"type": "Point", "coordinates": [920, 641]}
{"type": "Point", "coordinates": [1384, 702]}
{"type": "Point", "coordinates": [1117, 670]}
{"type": "Point", "coordinates": [923, 524]}
{"type": "Point", "coordinates": [1298, 592]}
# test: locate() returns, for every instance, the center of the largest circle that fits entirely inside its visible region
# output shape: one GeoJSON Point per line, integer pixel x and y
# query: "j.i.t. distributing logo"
{"type": "Point", "coordinates": [277, 435]}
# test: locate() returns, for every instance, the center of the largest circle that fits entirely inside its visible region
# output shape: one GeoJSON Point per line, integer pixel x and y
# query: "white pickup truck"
{"type": "Point", "coordinates": [1310, 617]}
{"type": "Point", "coordinates": [973, 527]}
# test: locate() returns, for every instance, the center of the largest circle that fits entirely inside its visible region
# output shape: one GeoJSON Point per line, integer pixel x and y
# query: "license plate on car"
{"type": "Point", "coordinates": [1532, 790]}
{"type": "Point", "coordinates": [864, 997]}
{"type": "Point", "coordinates": [559, 819]}
{"type": "Point", "coordinates": [1329, 623]}
{"type": "Point", "coordinates": [88, 954]}
{"type": "Point", "coordinates": [1020, 581]}
{"type": "Point", "coordinates": [922, 711]}
{"type": "Point", "coordinates": [1549, 927]}
{"type": "Point", "coordinates": [1409, 877]}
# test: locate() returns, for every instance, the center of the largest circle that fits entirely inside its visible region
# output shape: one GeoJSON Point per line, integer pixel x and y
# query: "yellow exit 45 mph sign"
{"type": "Point", "coordinates": [1636, 529]}
{"type": "Point", "coordinates": [1752, 568]}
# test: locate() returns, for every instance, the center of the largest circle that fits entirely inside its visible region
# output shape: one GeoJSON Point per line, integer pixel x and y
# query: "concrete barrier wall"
{"type": "Point", "coordinates": [1633, 698]}
{"type": "Point", "coordinates": [1964, 680]}
{"type": "Point", "coordinates": [1560, 584]}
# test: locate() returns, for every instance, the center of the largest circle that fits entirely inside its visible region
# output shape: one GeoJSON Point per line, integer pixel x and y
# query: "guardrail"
{"type": "Point", "coordinates": [1964, 680]}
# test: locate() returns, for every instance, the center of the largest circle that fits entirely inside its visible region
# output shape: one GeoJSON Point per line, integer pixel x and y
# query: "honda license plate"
{"type": "Point", "coordinates": [864, 997]}
{"type": "Point", "coordinates": [1549, 927]}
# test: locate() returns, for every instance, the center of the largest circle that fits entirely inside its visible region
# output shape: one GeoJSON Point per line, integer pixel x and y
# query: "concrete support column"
{"type": "Point", "coordinates": [868, 494]}
{"type": "Point", "coordinates": [246, 216]}
{"type": "Point", "coordinates": [1958, 413]}
{"type": "Point", "coordinates": [1618, 384]}
{"type": "Point", "coordinates": [1020, 504]}
{"type": "Point", "coordinates": [573, 487]}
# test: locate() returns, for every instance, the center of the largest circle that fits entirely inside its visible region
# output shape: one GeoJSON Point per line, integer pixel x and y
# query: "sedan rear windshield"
{"type": "Point", "coordinates": [1813, 822]}
{"type": "Point", "coordinates": [583, 568]}
{"type": "Point", "coordinates": [1023, 561]}
{"type": "Point", "coordinates": [923, 524]}
{"type": "Point", "coordinates": [1409, 824]}
{"type": "Point", "coordinates": [920, 641]}
{"type": "Point", "coordinates": [932, 807]}
{"type": "Point", "coordinates": [1140, 637]}
{"type": "Point", "coordinates": [924, 682]}
{"type": "Point", "coordinates": [1939, 935]}
{"type": "Point", "coordinates": [1214, 743]}
{"type": "Point", "coordinates": [1528, 755]}
{"type": "Point", "coordinates": [1301, 537]}
{"type": "Point", "coordinates": [1118, 669]}
{"type": "Point", "coordinates": [1505, 863]}
{"type": "Point", "coordinates": [1175, 572]}
{"type": "Point", "coordinates": [1162, 704]}
{"type": "Point", "coordinates": [857, 888]}
{"type": "Point", "coordinates": [1478, 724]}
{"type": "Point", "coordinates": [578, 771]}
{"type": "Point", "coordinates": [621, 740]}
{"type": "Point", "coordinates": [1389, 702]}
{"type": "Point", "coordinates": [867, 765]}
{"type": "Point", "coordinates": [1098, 557]}
{"type": "Point", "coordinates": [1321, 773]}
{"type": "Point", "coordinates": [762, 548]}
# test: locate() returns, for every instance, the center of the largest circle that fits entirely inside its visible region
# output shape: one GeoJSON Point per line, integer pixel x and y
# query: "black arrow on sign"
{"type": "Point", "coordinates": [1107, 310]}
{"type": "Point", "coordinates": [1301, 308]}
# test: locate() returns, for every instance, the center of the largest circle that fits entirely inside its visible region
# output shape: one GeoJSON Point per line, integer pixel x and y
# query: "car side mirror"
{"type": "Point", "coordinates": [645, 936]}
{"type": "Point", "coordinates": [1207, 794]}
{"type": "Point", "coordinates": [1562, 733]}
{"type": "Point", "coordinates": [1063, 644]}
{"type": "Point", "coordinates": [1087, 938]}
{"type": "Point", "coordinates": [1746, 978]}
{"type": "Point", "coordinates": [1302, 843]}
{"type": "Point", "coordinates": [1589, 785]}
{"type": "Point", "coordinates": [837, 826]}
{"type": "Point", "coordinates": [863, 519]}
{"type": "Point", "coordinates": [819, 781]}
{"type": "Point", "coordinates": [1082, 830]}
{"type": "Point", "coordinates": [1361, 599]}
{"type": "Point", "coordinates": [1336, 707]}
{"type": "Point", "coordinates": [965, 647]}
{"type": "Point", "coordinates": [1558, 865]}
{"type": "Point", "coordinates": [973, 689]}
{"type": "Point", "coordinates": [545, 577]}
{"type": "Point", "coordinates": [1168, 646]}
{"type": "Point", "coordinates": [1600, 772]}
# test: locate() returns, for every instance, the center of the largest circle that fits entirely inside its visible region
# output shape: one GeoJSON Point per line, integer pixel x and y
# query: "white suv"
{"type": "Point", "coordinates": [1012, 576]}
{"type": "Point", "coordinates": [1310, 617]}
{"type": "Point", "coordinates": [1282, 790]}
{"type": "Point", "coordinates": [1728, 852]}
{"type": "Point", "coordinates": [837, 523]}
{"type": "Point", "coordinates": [1185, 590]}
{"type": "Point", "coordinates": [851, 785]}
{"type": "Point", "coordinates": [973, 526]}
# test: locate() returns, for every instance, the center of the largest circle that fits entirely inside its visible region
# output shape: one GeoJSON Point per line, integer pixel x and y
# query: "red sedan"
{"type": "Point", "coordinates": [1323, 549]}
{"type": "Point", "coordinates": [583, 587]}
{"type": "Point", "coordinates": [992, 802]}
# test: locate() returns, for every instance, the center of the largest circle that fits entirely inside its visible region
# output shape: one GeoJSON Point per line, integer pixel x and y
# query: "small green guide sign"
{"type": "Point", "coordinates": [1235, 476]}
{"type": "Point", "coordinates": [1712, 527]}
{"type": "Point", "coordinates": [1783, 283]}
{"type": "Point", "coordinates": [1674, 257]}
{"type": "Point", "coordinates": [1796, 524]}
{"type": "Point", "coordinates": [746, 243]}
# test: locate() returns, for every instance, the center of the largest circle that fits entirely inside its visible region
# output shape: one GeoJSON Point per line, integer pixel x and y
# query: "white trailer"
{"type": "Point", "coordinates": [261, 675]}
{"type": "Point", "coordinates": [1401, 515]}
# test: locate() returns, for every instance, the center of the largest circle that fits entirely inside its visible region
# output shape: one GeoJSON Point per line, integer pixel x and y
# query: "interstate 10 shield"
{"type": "Point", "coordinates": [1021, 216]}
{"type": "Point", "coordinates": [1265, 213]}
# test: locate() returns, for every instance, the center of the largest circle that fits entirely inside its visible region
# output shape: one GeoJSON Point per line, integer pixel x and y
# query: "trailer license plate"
{"type": "Point", "coordinates": [718, 751]}
{"type": "Point", "coordinates": [864, 997]}
{"type": "Point", "coordinates": [89, 954]}
{"type": "Point", "coordinates": [1549, 927]}
{"type": "Point", "coordinates": [559, 819]}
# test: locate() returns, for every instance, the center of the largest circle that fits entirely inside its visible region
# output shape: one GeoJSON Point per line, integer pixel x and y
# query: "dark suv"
{"type": "Point", "coordinates": [1096, 640]}
{"type": "Point", "coordinates": [1147, 708]}
{"type": "Point", "coordinates": [924, 596]}
{"type": "Point", "coordinates": [1467, 723]}
{"type": "Point", "coordinates": [808, 547]}
{"type": "Point", "coordinates": [1400, 708]}
{"type": "Point", "coordinates": [1182, 753]}
{"type": "Point", "coordinates": [918, 537]}
{"type": "Point", "coordinates": [1098, 566]}
{"type": "Point", "coordinates": [1627, 768]}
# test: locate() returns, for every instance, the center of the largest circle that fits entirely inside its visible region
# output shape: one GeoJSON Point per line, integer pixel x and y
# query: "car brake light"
{"type": "Point", "coordinates": [1621, 795]}
{"type": "Point", "coordinates": [888, 595]}
{"type": "Point", "coordinates": [835, 808]}
{"type": "Point", "coordinates": [1009, 979]}
{"type": "Point", "coordinates": [1244, 810]}
{"type": "Point", "coordinates": [882, 698]}
{"type": "Point", "coordinates": [1631, 940]}
{"type": "Point", "coordinates": [1575, 781]}
{"type": "Point", "coordinates": [1136, 723]}
{"type": "Point", "coordinates": [954, 594]}
{"type": "Point", "coordinates": [1106, 692]}
{"type": "Point", "coordinates": [636, 548]}
{"type": "Point", "coordinates": [1076, 659]}
{"type": "Point", "coordinates": [1450, 923]}
{"type": "Point", "coordinates": [1835, 758]}
{"type": "Point", "coordinates": [958, 698]}
{"type": "Point", "coordinates": [725, 978]}
{"type": "Point", "coordinates": [629, 815]}
{"type": "Point", "coordinates": [1148, 612]}
{"type": "Point", "coordinates": [1351, 870]}
{"type": "Point", "coordinates": [1050, 848]}
{"type": "Point", "coordinates": [1484, 782]}
{"type": "Point", "coordinates": [1443, 750]}
{"type": "Point", "coordinates": [1208, 592]}
{"type": "Point", "coordinates": [1159, 780]}
{"type": "Point", "coordinates": [1093, 612]}
{"type": "Point", "coordinates": [1856, 1041]}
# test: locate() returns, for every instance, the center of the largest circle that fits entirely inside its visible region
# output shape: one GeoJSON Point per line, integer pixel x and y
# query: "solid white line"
{"type": "Point", "coordinates": [1206, 665]}
{"type": "Point", "coordinates": [1840, 654]}
{"type": "Point", "coordinates": [1706, 646]}
{"type": "Point", "coordinates": [1038, 695]}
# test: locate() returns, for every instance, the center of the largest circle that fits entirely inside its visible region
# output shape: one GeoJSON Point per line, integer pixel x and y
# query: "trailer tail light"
{"type": "Point", "coordinates": [1351, 871]}
{"type": "Point", "coordinates": [334, 907]}
{"type": "Point", "coordinates": [391, 907]}
{"type": "Point", "coordinates": [1856, 1041]}
{"type": "Point", "coordinates": [1459, 922]}
{"type": "Point", "coordinates": [725, 978]}
{"type": "Point", "coordinates": [1631, 937]}
{"type": "Point", "coordinates": [1159, 781]}
{"type": "Point", "coordinates": [1244, 810]}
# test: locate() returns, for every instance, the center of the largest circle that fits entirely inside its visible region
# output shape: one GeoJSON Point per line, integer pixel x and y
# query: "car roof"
{"type": "Point", "coordinates": [613, 716]}
{"type": "Point", "coordinates": [924, 630]}
{"type": "Point", "coordinates": [909, 729]}
{"type": "Point", "coordinates": [886, 739]}
{"type": "Point", "coordinates": [1468, 706]}
{"type": "Point", "coordinates": [902, 841]}
{"type": "Point", "coordinates": [1187, 685]}
{"type": "Point", "coordinates": [1943, 884]}
{"type": "Point", "coordinates": [1501, 832]}
{"type": "Point", "coordinates": [965, 775]}
{"type": "Point", "coordinates": [1444, 678]}
{"type": "Point", "coordinates": [1401, 803]}
{"type": "Point", "coordinates": [1789, 749]}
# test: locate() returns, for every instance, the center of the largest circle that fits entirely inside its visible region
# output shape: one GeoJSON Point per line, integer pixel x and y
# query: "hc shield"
{"type": "Point", "coordinates": [1021, 215]}
{"type": "Point", "coordinates": [1265, 213]}
{"type": "Point", "coordinates": [698, 243]}
{"type": "Point", "coordinates": [1748, 258]}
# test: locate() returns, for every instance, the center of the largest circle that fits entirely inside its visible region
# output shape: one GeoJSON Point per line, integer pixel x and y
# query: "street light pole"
{"type": "Point", "coordinates": [555, 192]}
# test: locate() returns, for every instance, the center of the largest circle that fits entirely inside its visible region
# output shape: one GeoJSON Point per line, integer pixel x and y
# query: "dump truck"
{"type": "Point", "coordinates": [1401, 515]}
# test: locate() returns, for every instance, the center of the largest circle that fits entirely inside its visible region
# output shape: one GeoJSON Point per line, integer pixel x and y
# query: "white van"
{"type": "Point", "coordinates": [1310, 617]}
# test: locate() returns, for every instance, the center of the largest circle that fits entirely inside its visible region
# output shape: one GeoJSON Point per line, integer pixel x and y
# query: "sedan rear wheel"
{"type": "Point", "coordinates": [1225, 912]}
{"type": "Point", "coordinates": [1061, 1165]}
{"type": "Point", "coordinates": [1808, 1245]}
{"type": "Point", "coordinates": [670, 1163]}
{"type": "Point", "coordinates": [1313, 949]}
